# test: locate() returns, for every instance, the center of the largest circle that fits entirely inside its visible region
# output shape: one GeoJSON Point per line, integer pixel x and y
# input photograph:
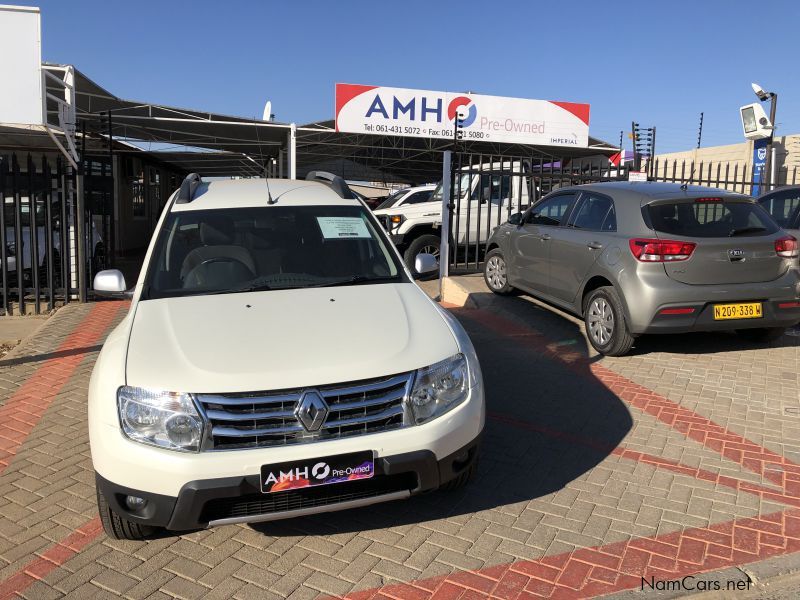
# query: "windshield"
{"type": "Point", "coordinates": [267, 248]}
{"type": "Point", "coordinates": [389, 202]}
{"type": "Point", "coordinates": [461, 186]}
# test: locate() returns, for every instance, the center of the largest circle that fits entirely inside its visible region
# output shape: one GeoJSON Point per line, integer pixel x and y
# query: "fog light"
{"type": "Point", "coordinates": [135, 503]}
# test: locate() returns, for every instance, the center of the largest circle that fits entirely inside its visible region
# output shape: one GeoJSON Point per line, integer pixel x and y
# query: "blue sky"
{"type": "Point", "coordinates": [659, 63]}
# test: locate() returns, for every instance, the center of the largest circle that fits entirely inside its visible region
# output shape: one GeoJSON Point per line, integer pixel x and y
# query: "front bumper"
{"type": "Point", "coordinates": [210, 502]}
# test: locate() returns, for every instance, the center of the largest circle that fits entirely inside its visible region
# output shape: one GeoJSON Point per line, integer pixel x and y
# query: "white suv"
{"type": "Point", "coordinates": [277, 360]}
{"type": "Point", "coordinates": [489, 194]}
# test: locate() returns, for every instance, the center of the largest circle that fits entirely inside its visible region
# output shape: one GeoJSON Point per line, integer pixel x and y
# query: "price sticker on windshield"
{"type": "Point", "coordinates": [343, 228]}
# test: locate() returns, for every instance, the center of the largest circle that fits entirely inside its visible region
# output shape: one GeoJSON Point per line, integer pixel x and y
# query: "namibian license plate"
{"type": "Point", "coordinates": [317, 471]}
{"type": "Point", "coordinates": [747, 310]}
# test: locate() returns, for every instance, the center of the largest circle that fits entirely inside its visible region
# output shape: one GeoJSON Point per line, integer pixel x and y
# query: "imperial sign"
{"type": "Point", "coordinates": [419, 113]}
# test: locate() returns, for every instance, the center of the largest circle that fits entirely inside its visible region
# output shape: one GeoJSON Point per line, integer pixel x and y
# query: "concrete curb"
{"type": "Point", "coordinates": [453, 292]}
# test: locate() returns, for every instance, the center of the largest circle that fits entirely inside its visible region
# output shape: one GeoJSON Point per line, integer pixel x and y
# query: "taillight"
{"type": "Point", "coordinates": [647, 250]}
{"type": "Point", "coordinates": [786, 247]}
{"type": "Point", "coordinates": [785, 305]}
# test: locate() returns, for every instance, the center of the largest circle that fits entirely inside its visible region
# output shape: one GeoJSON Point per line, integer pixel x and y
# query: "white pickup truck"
{"type": "Point", "coordinates": [487, 196]}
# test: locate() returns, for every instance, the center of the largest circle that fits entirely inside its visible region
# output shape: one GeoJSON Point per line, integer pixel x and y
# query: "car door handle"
{"type": "Point", "coordinates": [544, 238]}
{"type": "Point", "coordinates": [595, 245]}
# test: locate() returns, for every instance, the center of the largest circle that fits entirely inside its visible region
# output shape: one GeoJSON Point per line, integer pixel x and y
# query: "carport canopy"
{"type": "Point", "coordinates": [213, 144]}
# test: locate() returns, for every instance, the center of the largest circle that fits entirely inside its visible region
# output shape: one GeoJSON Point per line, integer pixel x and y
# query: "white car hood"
{"type": "Point", "coordinates": [284, 338]}
{"type": "Point", "coordinates": [422, 208]}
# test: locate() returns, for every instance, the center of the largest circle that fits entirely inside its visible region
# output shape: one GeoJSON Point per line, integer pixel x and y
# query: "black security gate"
{"type": "Point", "coordinates": [39, 231]}
{"type": "Point", "coordinates": [734, 177]}
{"type": "Point", "coordinates": [487, 189]}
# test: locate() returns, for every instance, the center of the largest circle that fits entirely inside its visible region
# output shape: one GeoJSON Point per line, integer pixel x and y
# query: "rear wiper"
{"type": "Point", "coordinates": [735, 232]}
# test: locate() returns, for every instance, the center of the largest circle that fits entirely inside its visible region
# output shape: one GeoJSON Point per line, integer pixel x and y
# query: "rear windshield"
{"type": "Point", "coordinates": [706, 219]}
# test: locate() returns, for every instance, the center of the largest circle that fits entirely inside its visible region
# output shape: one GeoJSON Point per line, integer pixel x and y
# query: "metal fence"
{"type": "Point", "coordinates": [39, 231]}
{"type": "Point", "coordinates": [734, 177]}
{"type": "Point", "coordinates": [487, 189]}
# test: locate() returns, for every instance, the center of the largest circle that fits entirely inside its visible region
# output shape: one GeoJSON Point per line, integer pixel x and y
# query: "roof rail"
{"type": "Point", "coordinates": [188, 188]}
{"type": "Point", "coordinates": [336, 183]}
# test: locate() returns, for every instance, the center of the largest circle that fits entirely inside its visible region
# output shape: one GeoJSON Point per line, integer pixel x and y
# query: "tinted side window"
{"type": "Point", "coordinates": [418, 197]}
{"type": "Point", "coordinates": [592, 213]}
{"type": "Point", "coordinates": [492, 187]}
{"type": "Point", "coordinates": [552, 210]}
{"type": "Point", "coordinates": [782, 206]}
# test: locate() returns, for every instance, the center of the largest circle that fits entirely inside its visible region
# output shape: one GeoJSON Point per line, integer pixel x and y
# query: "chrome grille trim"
{"type": "Point", "coordinates": [265, 419]}
{"type": "Point", "coordinates": [248, 416]}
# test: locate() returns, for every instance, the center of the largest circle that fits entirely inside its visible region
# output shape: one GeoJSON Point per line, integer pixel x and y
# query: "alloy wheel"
{"type": "Point", "coordinates": [434, 250]}
{"type": "Point", "coordinates": [496, 272]}
{"type": "Point", "coordinates": [600, 320]}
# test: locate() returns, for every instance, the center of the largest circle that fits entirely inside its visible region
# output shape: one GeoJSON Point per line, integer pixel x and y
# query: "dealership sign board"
{"type": "Point", "coordinates": [417, 113]}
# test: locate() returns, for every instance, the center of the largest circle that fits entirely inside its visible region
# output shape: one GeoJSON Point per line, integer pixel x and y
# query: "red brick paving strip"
{"type": "Point", "coordinates": [52, 558]}
{"type": "Point", "coordinates": [657, 462]}
{"type": "Point", "coordinates": [21, 412]}
{"type": "Point", "coordinates": [590, 572]}
{"type": "Point", "coordinates": [694, 426]}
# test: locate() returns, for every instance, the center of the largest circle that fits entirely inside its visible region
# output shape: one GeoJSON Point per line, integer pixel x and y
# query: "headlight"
{"type": "Point", "coordinates": [439, 388]}
{"type": "Point", "coordinates": [165, 419]}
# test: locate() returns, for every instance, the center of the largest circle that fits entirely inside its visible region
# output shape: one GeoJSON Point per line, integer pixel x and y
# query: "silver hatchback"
{"type": "Point", "coordinates": [640, 258]}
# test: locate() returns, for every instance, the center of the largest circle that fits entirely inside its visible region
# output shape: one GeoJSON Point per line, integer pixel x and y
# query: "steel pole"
{"type": "Point", "coordinates": [293, 151]}
{"type": "Point", "coordinates": [444, 243]}
{"type": "Point", "coordinates": [768, 166]}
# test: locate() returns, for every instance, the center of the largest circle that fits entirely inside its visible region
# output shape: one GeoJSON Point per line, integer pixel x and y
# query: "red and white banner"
{"type": "Point", "coordinates": [419, 113]}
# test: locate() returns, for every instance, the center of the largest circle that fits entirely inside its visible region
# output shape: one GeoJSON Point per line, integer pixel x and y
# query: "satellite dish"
{"type": "Point", "coordinates": [267, 112]}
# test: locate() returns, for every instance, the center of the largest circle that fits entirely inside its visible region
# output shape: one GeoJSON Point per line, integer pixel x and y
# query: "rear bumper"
{"type": "Point", "coordinates": [648, 291]}
{"type": "Point", "coordinates": [210, 502]}
{"type": "Point", "coordinates": [702, 319]}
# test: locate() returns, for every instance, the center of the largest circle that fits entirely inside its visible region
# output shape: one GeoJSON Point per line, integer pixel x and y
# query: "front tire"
{"type": "Point", "coordinates": [605, 322]}
{"type": "Point", "coordinates": [424, 244]}
{"type": "Point", "coordinates": [761, 334]}
{"type": "Point", "coordinates": [495, 273]}
{"type": "Point", "coordinates": [120, 528]}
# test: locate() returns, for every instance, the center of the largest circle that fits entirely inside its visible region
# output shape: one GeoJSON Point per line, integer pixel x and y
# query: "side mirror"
{"type": "Point", "coordinates": [515, 219]}
{"type": "Point", "coordinates": [110, 283]}
{"type": "Point", "coordinates": [425, 263]}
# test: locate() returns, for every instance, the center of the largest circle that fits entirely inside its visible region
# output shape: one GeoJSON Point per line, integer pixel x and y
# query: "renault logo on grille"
{"type": "Point", "coordinates": [311, 411]}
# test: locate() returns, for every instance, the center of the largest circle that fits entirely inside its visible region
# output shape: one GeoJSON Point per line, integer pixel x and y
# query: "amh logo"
{"type": "Point", "coordinates": [455, 104]}
{"type": "Point", "coordinates": [426, 109]}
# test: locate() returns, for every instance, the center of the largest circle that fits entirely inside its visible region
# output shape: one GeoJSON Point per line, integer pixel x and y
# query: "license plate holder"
{"type": "Point", "coordinates": [313, 472]}
{"type": "Point", "coordinates": [738, 310]}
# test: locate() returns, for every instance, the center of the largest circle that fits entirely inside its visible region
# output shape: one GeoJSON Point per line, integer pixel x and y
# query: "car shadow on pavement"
{"type": "Point", "coordinates": [555, 325]}
{"type": "Point", "coordinates": [548, 423]}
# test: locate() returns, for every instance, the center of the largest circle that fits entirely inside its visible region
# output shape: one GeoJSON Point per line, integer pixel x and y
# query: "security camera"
{"type": "Point", "coordinates": [755, 123]}
{"type": "Point", "coordinates": [762, 95]}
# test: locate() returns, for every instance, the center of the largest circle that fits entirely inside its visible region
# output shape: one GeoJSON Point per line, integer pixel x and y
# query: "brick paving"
{"type": "Point", "coordinates": [683, 458]}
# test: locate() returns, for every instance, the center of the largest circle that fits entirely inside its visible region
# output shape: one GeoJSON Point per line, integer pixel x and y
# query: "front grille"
{"type": "Point", "coordinates": [253, 505]}
{"type": "Point", "coordinates": [256, 420]}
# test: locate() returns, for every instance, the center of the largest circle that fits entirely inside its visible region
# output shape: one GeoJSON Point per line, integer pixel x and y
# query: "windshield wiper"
{"type": "Point", "coordinates": [735, 232]}
{"type": "Point", "coordinates": [245, 288]}
{"type": "Point", "coordinates": [354, 280]}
